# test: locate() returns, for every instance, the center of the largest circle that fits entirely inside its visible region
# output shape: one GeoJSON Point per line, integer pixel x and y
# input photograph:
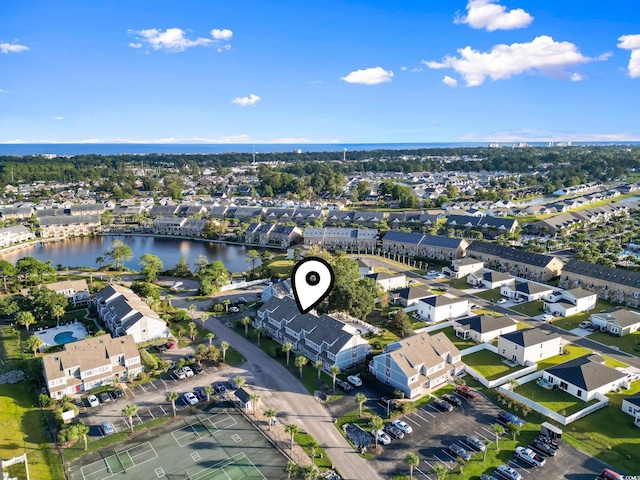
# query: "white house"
{"type": "Point", "coordinates": [90, 363]}
{"type": "Point", "coordinates": [529, 346]}
{"type": "Point", "coordinates": [76, 291]}
{"type": "Point", "coordinates": [585, 376]}
{"type": "Point", "coordinates": [124, 313]}
{"type": "Point", "coordinates": [389, 281]}
{"type": "Point", "coordinates": [463, 267]}
{"type": "Point", "coordinates": [442, 307]}
{"type": "Point", "coordinates": [410, 295]}
{"type": "Point", "coordinates": [528, 291]}
{"type": "Point", "coordinates": [418, 364]}
{"type": "Point", "coordinates": [570, 302]}
{"type": "Point", "coordinates": [276, 289]}
{"type": "Point", "coordinates": [631, 406]}
{"type": "Point", "coordinates": [491, 279]}
{"type": "Point", "coordinates": [365, 267]}
{"type": "Point", "coordinates": [618, 321]}
{"type": "Point", "coordinates": [484, 328]}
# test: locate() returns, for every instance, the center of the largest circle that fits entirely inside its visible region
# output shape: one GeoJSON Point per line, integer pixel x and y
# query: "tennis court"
{"type": "Point", "coordinates": [212, 445]}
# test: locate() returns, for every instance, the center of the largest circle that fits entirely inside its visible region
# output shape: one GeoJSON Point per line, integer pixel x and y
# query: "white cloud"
{"type": "Point", "coordinates": [416, 70]}
{"type": "Point", "coordinates": [369, 76]}
{"type": "Point", "coordinates": [170, 40]}
{"type": "Point", "coordinates": [224, 48]}
{"type": "Point", "coordinates": [491, 16]}
{"type": "Point", "coordinates": [57, 117]}
{"type": "Point", "coordinates": [632, 42]}
{"type": "Point", "coordinates": [12, 48]}
{"type": "Point", "coordinates": [246, 101]}
{"type": "Point", "coordinates": [4, 91]}
{"type": "Point", "coordinates": [404, 69]}
{"type": "Point", "coordinates": [450, 82]}
{"type": "Point", "coordinates": [224, 34]}
{"type": "Point", "coordinates": [542, 55]}
{"type": "Point", "coordinates": [135, 45]}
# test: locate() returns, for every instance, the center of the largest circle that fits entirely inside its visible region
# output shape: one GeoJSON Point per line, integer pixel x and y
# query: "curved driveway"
{"type": "Point", "coordinates": [282, 391]}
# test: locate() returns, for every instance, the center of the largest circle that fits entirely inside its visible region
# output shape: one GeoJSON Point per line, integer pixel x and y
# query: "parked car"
{"type": "Point", "coordinates": [197, 369]}
{"type": "Point", "coordinates": [346, 386]}
{"type": "Point", "coordinates": [106, 428]}
{"type": "Point", "coordinates": [200, 393]}
{"type": "Point", "coordinates": [458, 451]}
{"type": "Point", "coordinates": [455, 401]}
{"type": "Point", "coordinates": [402, 426]}
{"type": "Point", "coordinates": [441, 288]}
{"type": "Point", "coordinates": [542, 447]}
{"type": "Point", "coordinates": [518, 300]}
{"type": "Point", "coordinates": [93, 401]}
{"type": "Point", "coordinates": [501, 301]}
{"type": "Point", "coordinates": [161, 348]}
{"type": "Point", "coordinates": [220, 388]}
{"type": "Point", "coordinates": [392, 403]}
{"type": "Point", "coordinates": [105, 397]}
{"type": "Point", "coordinates": [190, 358]}
{"type": "Point", "coordinates": [187, 371]}
{"type": "Point", "coordinates": [171, 345]}
{"type": "Point", "coordinates": [117, 393]}
{"type": "Point", "coordinates": [529, 456]}
{"type": "Point", "coordinates": [547, 317]}
{"type": "Point", "coordinates": [508, 472]}
{"type": "Point", "coordinates": [474, 442]}
{"type": "Point", "coordinates": [484, 476]}
{"type": "Point", "coordinates": [466, 392]}
{"type": "Point", "coordinates": [190, 398]}
{"type": "Point", "coordinates": [442, 405]}
{"type": "Point", "coordinates": [608, 474]}
{"type": "Point", "coordinates": [393, 431]}
{"type": "Point", "coordinates": [584, 324]}
{"type": "Point", "coordinates": [506, 417]}
{"type": "Point", "coordinates": [383, 438]}
{"type": "Point", "coordinates": [354, 380]}
{"type": "Point", "coordinates": [179, 374]}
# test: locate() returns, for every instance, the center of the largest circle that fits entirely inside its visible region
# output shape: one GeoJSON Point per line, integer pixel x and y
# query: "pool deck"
{"type": "Point", "coordinates": [48, 334]}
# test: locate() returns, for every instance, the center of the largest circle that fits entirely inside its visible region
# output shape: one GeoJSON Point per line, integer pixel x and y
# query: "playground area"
{"type": "Point", "coordinates": [216, 445]}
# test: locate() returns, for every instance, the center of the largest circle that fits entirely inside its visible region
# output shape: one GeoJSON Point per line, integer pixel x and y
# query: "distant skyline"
{"type": "Point", "coordinates": [330, 72]}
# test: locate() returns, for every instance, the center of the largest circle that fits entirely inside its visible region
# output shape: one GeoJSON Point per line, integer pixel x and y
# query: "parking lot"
{"type": "Point", "coordinates": [434, 431]}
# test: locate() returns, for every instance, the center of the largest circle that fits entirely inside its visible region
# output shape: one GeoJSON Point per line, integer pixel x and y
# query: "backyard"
{"type": "Point", "coordinates": [571, 352]}
{"type": "Point", "coordinates": [557, 400]}
{"type": "Point", "coordinates": [490, 365]}
{"type": "Point", "coordinates": [457, 341]}
{"type": "Point", "coordinates": [573, 321]}
{"type": "Point", "coordinates": [629, 343]}
{"type": "Point", "coordinates": [532, 309]}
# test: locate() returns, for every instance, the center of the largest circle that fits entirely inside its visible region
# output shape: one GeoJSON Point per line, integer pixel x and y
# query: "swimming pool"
{"type": "Point", "coordinates": [64, 337]}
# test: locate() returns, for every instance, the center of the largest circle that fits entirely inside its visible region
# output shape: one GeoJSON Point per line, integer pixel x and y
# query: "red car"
{"type": "Point", "coordinates": [466, 392]}
{"type": "Point", "coordinates": [171, 345]}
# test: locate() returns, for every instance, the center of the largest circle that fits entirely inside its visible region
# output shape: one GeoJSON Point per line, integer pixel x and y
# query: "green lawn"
{"type": "Point", "coordinates": [459, 283]}
{"type": "Point", "coordinates": [572, 351]}
{"type": "Point", "coordinates": [489, 295]}
{"type": "Point", "coordinates": [22, 425]}
{"type": "Point", "coordinates": [629, 343]}
{"type": "Point", "coordinates": [557, 400]}
{"type": "Point", "coordinates": [457, 341]}
{"type": "Point", "coordinates": [613, 363]}
{"type": "Point", "coordinates": [484, 311]}
{"type": "Point", "coordinates": [489, 364]}
{"type": "Point", "coordinates": [531, 309]}
{"type": "Point", "coordinates": [572, 321]}
{"type": "Point", "coordinates": [280, 266]}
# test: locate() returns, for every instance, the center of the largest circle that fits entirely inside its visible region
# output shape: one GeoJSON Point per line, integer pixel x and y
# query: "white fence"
{"type": "Point", "coordinates": [236, 285]}
{"type": "Point", "coordinates": [499, 381]}
{"type": "Point", "coordinates": [478, 347]}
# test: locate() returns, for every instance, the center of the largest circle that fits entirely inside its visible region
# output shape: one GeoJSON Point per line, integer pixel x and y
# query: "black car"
{"type": "Point", "coordinates": [189, 358]}
{"type": "Point", "coordinates": [117, 393]}
{"type": "Point", "coordinates": [455, 401]}
{"type": "Point", "coordinates": [346, 386]}
{"type": "Point", "coordinates": [393, 432]}
{"type": "Point", "coordinates": [220, 388]}
{"type": "Point", "coordinates": [474, 442]}
{"type": "Point", "coordinates": [442, 405]}
{"type": "Point", "coordinates": [200, 393]}
{"type": "Point", "coordinates": [542, 447]}
{"type": "Point", "coordinates": [458, 451]}
{"type": "Point", "coordinates": [161, 348]}
{"type": "Point", "coordinates": [197, 369]}
{"type": "Point", "coordinates": [441, 288]}
{"type": "Point", "coordinates": [105, 397]}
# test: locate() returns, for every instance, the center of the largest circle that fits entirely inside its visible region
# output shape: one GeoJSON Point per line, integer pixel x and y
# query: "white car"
{"type": "Point", "coordinates": [502, 300]}
{"type": "Point", "coordinates": [405, 427]}
{"type": "Point", "coordinates": [190, 398]}
{"type": "Point", "coordinates": [547, 317]}
{"type": "Point", "coordinates": [187, 371]}
{"type": "Point", "coordinates": [383, 438]}
{"type": "Point", "coordinates": [508, 472]}
{"type": "Point", "coordinates": [354, 380]}
{"type": "Point", "coordinates": [93, 401]}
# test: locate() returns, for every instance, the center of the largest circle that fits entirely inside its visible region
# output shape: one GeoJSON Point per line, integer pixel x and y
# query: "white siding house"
{"type": "Point", "coordinates": [570, 302]}
{"type": "Point", "coordinates": [442, 307]}
{"type": "Point", "coordinates": [529, 346]}
{"type": "Point", "coordinates": [631, 406]}
{"type": "Point", "coordinates": [484, 328]}
{"type": "Point", "coordinates": [388, 281]}
{"type": "Point", "coordinates": [618, 321]}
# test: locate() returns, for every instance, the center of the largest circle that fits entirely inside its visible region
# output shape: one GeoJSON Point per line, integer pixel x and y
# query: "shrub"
{"type": "Point", "coordinates": [45, 400]}
{"type": "Point", "coordinates": [149, 362]}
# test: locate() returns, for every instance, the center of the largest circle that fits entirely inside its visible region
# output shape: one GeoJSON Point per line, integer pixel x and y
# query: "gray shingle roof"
{"type": "Point", "coordinates": [485, 323]}
{"type": "Point", "coordinates": [604, 273]}
{"type": "Point", "coordinates": [586, 372]}
{"type": "Point", "coordinates": [510, 254]}
{"type": "Point", "coordinates": [530, 336]}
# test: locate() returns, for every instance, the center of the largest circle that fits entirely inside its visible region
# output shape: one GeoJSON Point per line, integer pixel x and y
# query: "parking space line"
{"type": "Point", "coordinates": [114, 427]}
{"type": "Point", "coordinates": [444, 462]}
{"type": "Point", "coordinates": [420, 416]}
{"type": "Point", "coordinates": [420, 471]}
{"type": "Point", "coordinates": [427, 412]}
{"type": "Point", "coordinates": [412, 421]}
{"type": "Point", "coordinates": [138, 417]}
{"type": "Point", "coordinates": [430, 466]}
{"type": "Point", "coordinates": [453, 459]}
{"type": "Point", "coordinates": [434, 408]}
{"type": "Point", "coordinates": [152, 415]}
{"type": "Point", "coordinates": [481, 435]}
{"type": "Point", "coordinates": [153, 385]}
{"type": "Point", "coordinates": [143, 389]}
{"type": "Point", "coordinates": [162, 380]}
{"type": "Point", "coordinates": [163, 410]}
{"type": "Point", "coordinates": [515, 464]}
{"type": "Point", "coordinates": [490, 431]}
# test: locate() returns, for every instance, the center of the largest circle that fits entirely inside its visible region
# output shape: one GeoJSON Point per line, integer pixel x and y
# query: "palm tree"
{"type": "Point", "coordinates": [318, 364]}
{"type": "Point", "coordinates": [168, 299]}
{"type": "Point", "coordinates": [360, 399]}
{"type": "Point", "coordinates": [439, 470]}
{"type": "Point", "coordinates": [252, 256]}
{"type": "Point", "coordinates": [258, 331]}
{"type": "Point", "coordinates": [335, 371]}
{"type": "Point", "coordinates": [413, 461]}
{"type": "Point", "coordinates": [286, 348]}
{"type": "Point", "coordinates": [99, 261]}
{"type": "Point", "coordinates": [292, 429]}
{"type": "Point", "coordinates": [301, 361]}
{"type": "Point", "coordinates": [34, 342]}
{"type": "Point", "coordinates": [209, 391]}
{"type": "Point", "coordinates": [210, 336]}
{"type": "Point", "coordinates": [498, 430]}
{"type": "Point", "coordinates": [25, 319]}
{"type": "Point", "coordinates": [83, 431]}
{"type": "Point", "coordinates": [203, 318]}
{"type": "Point", "coordinates": [514, 429]}
{"type": "Point", "coordinates": [192, 308]}
{"type": "Point", "coordinates": [270, 414]}
{"type": "Point", "coordinates": [309, 472]}
{"type": "Point", "coordinates": [246, 321]}
{"type": "Point", "coordinates": [291, 469]}
{"type": "Point", "coordinates": [129, 411]}
{"type": "Point", "coordinates": [486, 448]}
{"type": "Point", "coordinates": [181, 331]}
{"type": "Point", "coordinates": [255, 399]}
{"type": "Point", "coordinates": [192, 330]}
{"type": "Point", "coordinates": [376, 424]}
{"type": "Point", "coordinates": [57, 311]}
{"type": "Point", "coordinates": [224, 346]}
{"type": "Point", "coordinates": [226, 302]}
{"type": "Point", "coordinates": [313, 445]}
{"type": "Point", "coordinates": [172, 397]}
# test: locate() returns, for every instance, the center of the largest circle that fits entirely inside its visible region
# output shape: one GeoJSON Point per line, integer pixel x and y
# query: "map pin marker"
{"type": "Point", "coordinates": [311, 281]}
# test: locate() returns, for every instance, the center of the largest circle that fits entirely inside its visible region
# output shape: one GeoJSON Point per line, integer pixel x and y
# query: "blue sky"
{"type": "Point", "coordinates": [200, 71]}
